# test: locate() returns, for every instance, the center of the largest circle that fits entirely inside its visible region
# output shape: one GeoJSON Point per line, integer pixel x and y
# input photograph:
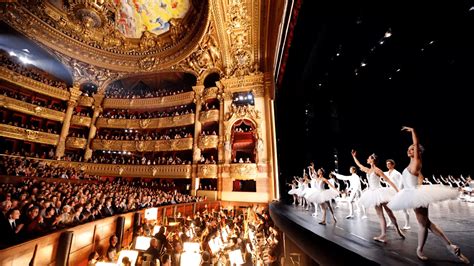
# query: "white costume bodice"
{"type": "Point", "coordinates": [374, 180]}
{"type": "Point", "coordinates": [409, 180]}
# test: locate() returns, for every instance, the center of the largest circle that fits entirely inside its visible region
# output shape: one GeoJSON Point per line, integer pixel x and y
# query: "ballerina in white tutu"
{"type": "Point", "coordinates": [324, 196]}
{"type": "Point", "coordinates": [415, 195]}
{"type": "Point", "coordinates": [293, 190]}
{"type": "Point", "coordinates": [378, 196]}
{"type": "Point", "coordinates": [313, 189]}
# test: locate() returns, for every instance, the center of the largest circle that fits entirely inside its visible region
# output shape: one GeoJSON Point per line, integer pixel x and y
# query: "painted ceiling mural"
{"type": "Point", "coordinates": [135, 16]}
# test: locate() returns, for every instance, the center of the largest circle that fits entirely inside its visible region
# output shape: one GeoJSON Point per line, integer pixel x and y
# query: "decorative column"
{"type": "Point", "coordinates": [221, 144]}
{"type": "Point", "coordinates": [98, 98]}
{"type": "Point", "coordinates": [197, 131]}
{"type": "Point", "coordinates": [71, 104]}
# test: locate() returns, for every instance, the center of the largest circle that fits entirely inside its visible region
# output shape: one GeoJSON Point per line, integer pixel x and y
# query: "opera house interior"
{"type": "Point", "coordinates": [139, 132]}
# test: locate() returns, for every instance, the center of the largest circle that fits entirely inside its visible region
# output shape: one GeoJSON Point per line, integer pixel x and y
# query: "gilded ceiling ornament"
{"type": "Point", "coordinates": [147, 63]}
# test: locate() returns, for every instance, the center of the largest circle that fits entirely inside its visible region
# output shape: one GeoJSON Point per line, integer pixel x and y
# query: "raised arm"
{"type": "Point", "coordinates": [361, 167]}
{"type": "Point", "coordinates": [415, 165]}
{"type": "Point", "coordinates": [340, 177]}
{"type": "Point", "coordinates": [381, 174]}
{"type": "Point", "coordinates": [330, 185]}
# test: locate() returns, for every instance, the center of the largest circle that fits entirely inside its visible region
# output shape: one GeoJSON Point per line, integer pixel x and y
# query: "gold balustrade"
{"type": "Point", "coordinates": [149, 103]}
{"type": "Point", "coordinates": [143, 145]}
{"type": "Point", "coordinates": [243, 171]}
{"type": "Point", "coordinates": [207, 170]}
{"type": "Point", "coordinates": [76, 143]}
{"type": "Point", "coordinates": [210, 93]}
{"type": "Point", "coordinates": [163, 122]}
{"type": "Point", "coordinates": [209, 116]}
{"type": "Point", "coordinates": [33, 85]}
{"type": "Point", "coordinates": [79, 120]}
{"type": "Point", "coordinates": [208, 142]}
{"type": "Point", "coordinates": [13, 132]}
{"type": "Point", "coordinates": [30, 109]}
{"type": "Point", "coordinates": [85, 101]}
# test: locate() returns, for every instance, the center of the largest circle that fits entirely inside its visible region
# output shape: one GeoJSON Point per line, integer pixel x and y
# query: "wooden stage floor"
{"type": "Point", "coordinates": [349, 241]}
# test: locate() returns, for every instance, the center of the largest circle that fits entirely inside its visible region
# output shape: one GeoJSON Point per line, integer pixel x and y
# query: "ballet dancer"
{"type": "Point", "coordinates": [416, 196]}
{"type": "Point", "coordinates": [324, 196]}
{"type": "Point", "coordinates": [354, 189]}
{"type": "Point", "coordinates": [378, 196]}
{"type": "Point", "coordinates": [293, 190]}
{"type": "Point", "coordinates": [313, 189]}
{"type": "Point", "coordinates": [396, 178]}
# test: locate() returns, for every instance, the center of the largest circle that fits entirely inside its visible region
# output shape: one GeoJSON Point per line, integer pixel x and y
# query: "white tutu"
{"type": "Point", "coordinates": [293, 191]}
{"type": "Point", "coordinates": [377, 196]}
{"type": "Point", "coordinates": [323, 196]}
{"type": "Point", "coordinates": [421, 196]}
{"type": "Point", "coordinates": [309, 192]}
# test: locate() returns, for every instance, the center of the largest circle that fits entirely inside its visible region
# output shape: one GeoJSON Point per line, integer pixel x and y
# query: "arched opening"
{"type": "Point", "coordinates": [89, 89]}
{"type": "Point", "coordinates": [210, 80]}
{"type": "Point", "coordinates": [243, 142]}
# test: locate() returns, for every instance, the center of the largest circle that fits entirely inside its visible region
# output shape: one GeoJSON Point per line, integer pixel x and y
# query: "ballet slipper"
{"type": "Point", "coordinates": [380, 239]}
{"type": "Point", "coordinates": [420, 255]}
{"type": "Point", "coordinates": [457, 252]}
{"type": "Point", "coordinates": [314, 214]}
{"type": "Point", "coordinates": [406, 227]}
{"type": "Point", "coordinates": [322, 223]}
{"type": "Point", "coordinates": [364, 217]}
{"type": "Point", "coordinates": [349, 216]}
{"type": "Point", "coordinates": [334, 219]}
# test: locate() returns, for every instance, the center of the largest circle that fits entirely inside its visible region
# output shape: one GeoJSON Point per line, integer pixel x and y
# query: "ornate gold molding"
{"type": "Point", "coordinates": [254, 83]}
{"type": "Point", "coordinates": [85, 101]}
{"type": "Point", "coordinates": [149, 103]}
{"type": "Point", "coordinates": [209, 116]}
{"type": "Point", "coordinates": [208, 142]}
{"type": "Point", "coordinates": [207, 171]}
{"type": "Point", "coordinates": [87, 33]}
{"type": "Point", "coordinates": [210, 93]}
{"type": "Point", "coordinates": [164, 122]}
{"type": "Point", "coordinates": [28, 135]}
{"type": "Point", "coordinates": [243, 171]}
{"type": "Point", "coordinates": [33, 85]}
{"type": "Point", "coordinates": [143, 145]}
{"type": "Point", "coordinates": [31, 109]}
{"type": "Point", "coordinates": [76, 143]}
{"type": "Point", "coordinates": [79, 120]}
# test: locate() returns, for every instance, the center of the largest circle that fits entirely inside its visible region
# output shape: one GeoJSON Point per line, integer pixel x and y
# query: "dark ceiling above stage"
{"type": "Point", "coordinates": [358, 70]}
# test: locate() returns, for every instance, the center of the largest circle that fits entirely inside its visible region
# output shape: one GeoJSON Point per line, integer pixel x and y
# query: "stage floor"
{"type": "Point", "coordinates": [455, 217]}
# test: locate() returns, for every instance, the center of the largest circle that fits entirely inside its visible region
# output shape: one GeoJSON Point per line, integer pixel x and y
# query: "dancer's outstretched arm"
{"type": "Point", "coordinates": [362, 167]}
{"type": "Point", "coordinates": [386, 178]}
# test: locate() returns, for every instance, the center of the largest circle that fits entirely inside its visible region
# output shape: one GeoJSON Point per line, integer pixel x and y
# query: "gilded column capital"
{"type": "Point", "coordinates": [198, 91]}
{"type": "Point", "coordinates": [75, 93]}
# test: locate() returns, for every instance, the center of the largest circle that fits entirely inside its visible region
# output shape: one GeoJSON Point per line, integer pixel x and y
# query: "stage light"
{"type": "Point", "coordinates": [131, 254]}
{"type": "Point", "coordinates": [388, 34]}
{"type": "Point", "coordinates": [363, 64]}
{"type": "Point", "coordinates": [142, 242]}
{"type": "Point", "coordinates": [431, 42]}
{"type": "Point", "coordinates": [398, 69]}
{"type": "Point", "coordinates": [25, 60]}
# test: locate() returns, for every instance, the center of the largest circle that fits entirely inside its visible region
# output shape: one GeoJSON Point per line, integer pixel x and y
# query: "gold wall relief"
{"type": "Point", "coordinates": [31, 109]}
{"type": "Point", "coordinates": [19, 133]}
{"type": "Point", "coordinates": [164, 122]}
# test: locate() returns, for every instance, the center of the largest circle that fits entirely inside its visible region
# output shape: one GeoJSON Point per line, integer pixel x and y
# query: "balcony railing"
{"type": "Point", "coordinates": [13, 132]}
{"type": "Point", "coordinates": [243, 171]}
{"type": "Point", "coordinates": [33, 85]}
{"type": "Point", "coordinates": [76, 143]}
{"type": "Point", "coordinates": [150, 103]}
{"type": "Point", "coordinates": [79, 120]}
{"type": "Point", "coordinates": [209, 116]}
{"type": "Point", "coordinates": [207, 171]}
{"type": "Point", "coordinates": [208, 142]}
{"type": "Point", "coordinates": [143, 145]}
{"type": "Point", "coordinates": [164, 122]}
{"type": "Point", "coordinates": [30, 109]}
{"type": "Point", "coordinates": [85, 101]}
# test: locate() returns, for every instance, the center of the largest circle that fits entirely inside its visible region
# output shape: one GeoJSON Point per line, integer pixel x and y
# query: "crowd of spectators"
{"type": "Point", "coordinates": [33, 125]}
{"type": "Point", "coordinates": [33, 208]}
{"type": "Point", "coordinates": [118, 157]}
{"type": "Point", "coordinates": [30, 167]}
{"type": "Point", "coordinates": [33, 100]}
{"type": "Point", "coordinates": [137, 92]}
{"type": "Point", "coordinates": [13, 64]}
{"type": "Point", "coordinates": [128, 114]}
{"type": "Point", "coordinates": [128, 134]}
